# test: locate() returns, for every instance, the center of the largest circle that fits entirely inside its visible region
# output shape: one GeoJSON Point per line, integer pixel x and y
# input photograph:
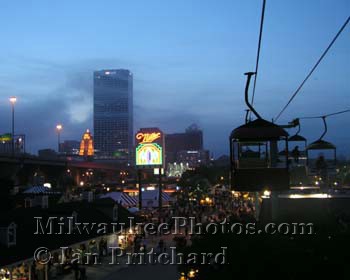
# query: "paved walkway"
{"type": "Point", "coordinates": [123, 270]}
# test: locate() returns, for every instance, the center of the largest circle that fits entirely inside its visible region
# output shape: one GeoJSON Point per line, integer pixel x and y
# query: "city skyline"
{"type": "Point", "coordinates": [188, 139]}
{"type": "Point", "coordinates": [186, 70]}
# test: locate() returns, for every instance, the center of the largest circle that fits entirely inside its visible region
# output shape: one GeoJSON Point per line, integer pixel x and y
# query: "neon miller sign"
{"type": "Point", "coordinates": [147, 137]}
{"type": "Point", "coordinates": [149, 148]}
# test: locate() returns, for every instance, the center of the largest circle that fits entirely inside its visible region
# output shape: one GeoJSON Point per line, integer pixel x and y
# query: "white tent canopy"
{"type": "Point", "coordinates": [40, 190]}
{"type": "Point", "coordinates": [122, 198]}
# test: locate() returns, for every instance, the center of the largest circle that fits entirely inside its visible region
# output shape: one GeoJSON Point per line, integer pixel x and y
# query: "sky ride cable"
{"type": "Point", "coordinates": [258, 51]}
{"type": "Point", "coordinates": [313, 69]}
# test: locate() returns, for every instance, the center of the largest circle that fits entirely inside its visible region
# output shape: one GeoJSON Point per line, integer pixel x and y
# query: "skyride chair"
{"type": "Point", "coordinates": [254, 156]}
{"type": "Point", "coordinates": [298, 159]}
{"type": "Point", "coordinates": [322, 168]}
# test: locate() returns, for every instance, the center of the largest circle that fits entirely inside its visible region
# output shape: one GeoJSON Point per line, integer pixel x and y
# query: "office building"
{"type": "Point", "coordinates": [113, 114]}
{"type": "Point", "coordinates": [70, 147]}
{"type": "Point", "coordinates": [193, 159]}
{"type": "Point", "coordinates": [190, 140]}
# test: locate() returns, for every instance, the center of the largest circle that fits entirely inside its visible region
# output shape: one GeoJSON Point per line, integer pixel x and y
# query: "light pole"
{"type": "Point", "coordinates": [13, 100]}
{"type": "Point", "coordinates": [58, 128]}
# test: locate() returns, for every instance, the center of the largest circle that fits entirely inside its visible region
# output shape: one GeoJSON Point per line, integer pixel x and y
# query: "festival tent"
{"type": "Point", "coordinates": [122, 198]}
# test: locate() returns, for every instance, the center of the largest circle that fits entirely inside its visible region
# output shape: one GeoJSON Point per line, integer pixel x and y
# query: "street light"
{"type": "Point", "coordinates": [13, 100]}
{"type": "Point", "coordinates": [58, 128]}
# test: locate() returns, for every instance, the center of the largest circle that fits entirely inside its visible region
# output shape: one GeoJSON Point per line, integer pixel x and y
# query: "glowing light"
{"type": "Point", "coordinates": [191, 274]}
{"type": "Point", "coordinates": [267, 193]}
{"type": "Point", "coordinates": [150, 188]}
{"type": "Point", "coordinates": [6, 137]}
{"type": "Point", "coordinates": [148, 137]}
{"type": "Point", "coordinates": [13, 99]}
{"type": "Point", "coordinates": [315, 195]}
{"type": "Point", "coordinates": [59, 127]}
{"type": "Point", "coordinates": [108, 189]}
{"type": "Point", "coordinates": [156, 171]}
{"type": "Point", "coordinates": [47, 185]}
{"type": "Point", "coordinates": [149, 154]}
{"type": "Point", "coordinates": [149, 149]}
{"type": "Point", "coordinates": [86, 145]}
{"type": "Point", "coordinates": [81, 183]}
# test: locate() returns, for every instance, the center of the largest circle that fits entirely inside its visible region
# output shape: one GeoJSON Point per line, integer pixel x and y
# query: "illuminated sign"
{"type": "Point", "coordinates": [149, 148]}
{"type": "Point", "coordinates": [148, 137]}
{"type": "Point", "coordinates": [6, 137]}
{"type": "Point", "coordinates": [149, 154]}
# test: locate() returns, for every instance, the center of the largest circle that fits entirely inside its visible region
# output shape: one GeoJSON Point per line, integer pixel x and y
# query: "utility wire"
{"type": "Point", "coordinates": [313, 69]}
{"type": "Point", "coordinates": [325, 116]}
{"type": "Point", "coordinates": [258, 51]}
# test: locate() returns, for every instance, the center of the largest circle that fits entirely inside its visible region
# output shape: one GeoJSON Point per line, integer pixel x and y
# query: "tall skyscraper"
{"type": "Point", "coordinates": [113, 113]}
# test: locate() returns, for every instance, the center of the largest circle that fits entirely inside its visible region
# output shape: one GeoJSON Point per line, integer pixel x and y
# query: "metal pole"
{"type": "Point", "coordinates": [140, 189]}
{"type": "Point", "coordinates": [160, 191]}
{"type": "Point", "coordinates": [24, 144]}
{"type": "Point", "coordinates": [257, 206]}
{"type": "Point", "coordinates": [232, 166]}
{"type": "Point", "coordinates": [13, 129]}
{"type": "Point", "coordinates": [58, 140]}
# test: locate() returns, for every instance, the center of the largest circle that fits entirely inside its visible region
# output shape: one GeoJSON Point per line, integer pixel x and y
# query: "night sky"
{"type": "Point", "coordinates": [188, 58]}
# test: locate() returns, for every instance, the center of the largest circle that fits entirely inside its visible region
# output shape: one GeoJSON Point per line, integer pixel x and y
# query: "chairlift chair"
{"type": "Point", "coordinates": [263, 169]}
{"type": "Point", "coordinates": [322, 147]}
{"type": "Point", "coordinates": [298, 159]}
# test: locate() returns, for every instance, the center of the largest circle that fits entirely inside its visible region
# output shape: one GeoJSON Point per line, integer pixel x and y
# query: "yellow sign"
{"type": "Point", "coordinates": [147, 137]}
{"type": "Point", "coordinates": [149, 147]}
{"type": "Point", "coordinates": [6, 137]}
{"type": "Point", "coordinates": [149, 154]}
